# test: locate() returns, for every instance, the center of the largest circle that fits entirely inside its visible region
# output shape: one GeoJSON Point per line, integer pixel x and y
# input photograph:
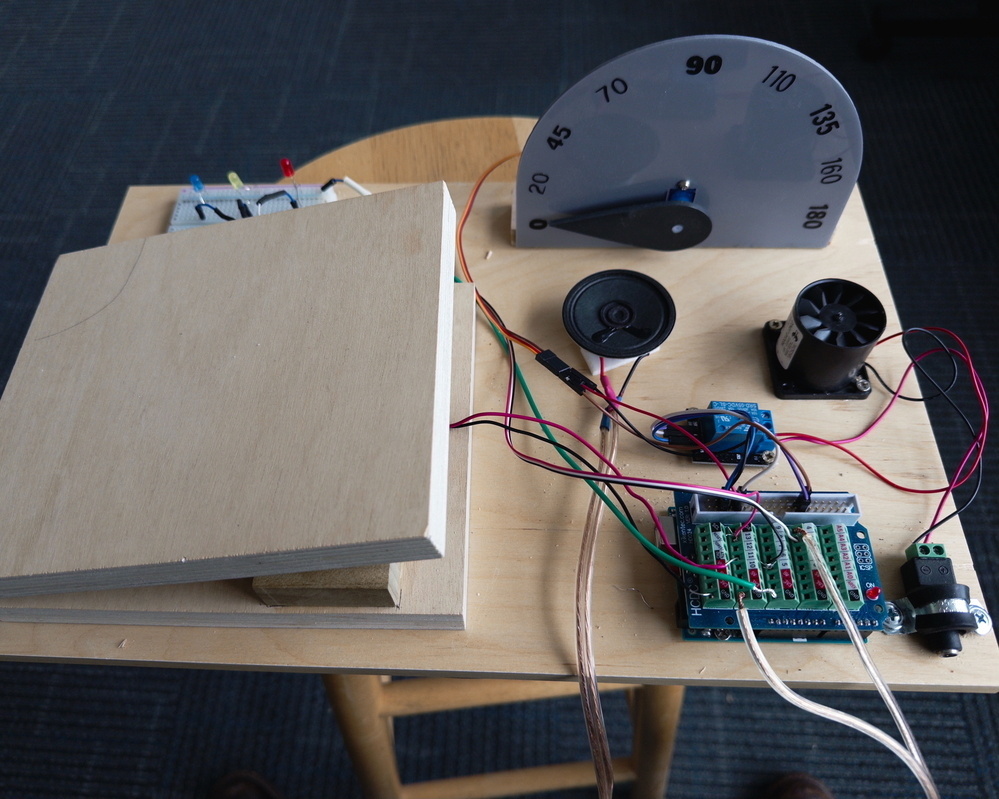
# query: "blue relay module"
{"type": "Point", "coordinates": [797, 605]}
{"type": "Point", "coordinates": [725, 433]}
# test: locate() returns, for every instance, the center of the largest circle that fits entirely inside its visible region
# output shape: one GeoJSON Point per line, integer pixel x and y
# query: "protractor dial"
{"type": "Point", "coordinates": [715, 141]}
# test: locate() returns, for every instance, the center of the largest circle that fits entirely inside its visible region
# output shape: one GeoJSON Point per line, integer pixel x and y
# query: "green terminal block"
{"type": "Point", "coordinates": [814, 593]}
{"type": "Point", "coordinates": [711, 541]}
{"type": "Point", "coordinates": [794, 602]}
{"type": "Point", "coordinates": [925, 551]}
{"type": "Point", "coordinates": [838, 551]}
{"type": "Point", "coordinates": [747, 563]}
{"type": "Point", "coordinates": [785, 568]}
{"type": "Point", "coordinates": [779, 571]}
{"type": "Point", "coordinates": [939, 607]}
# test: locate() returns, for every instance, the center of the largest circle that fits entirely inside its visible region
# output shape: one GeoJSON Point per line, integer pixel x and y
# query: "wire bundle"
{"type": "Point", "coordinates": [606, 477]}
{"type": "Point", "coordinates": [970, 466]}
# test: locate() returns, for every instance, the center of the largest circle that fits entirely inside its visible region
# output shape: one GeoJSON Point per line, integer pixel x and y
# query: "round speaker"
{"type": "Point", "coordinates": [833, 326]}
{"type": "Point", "coordinates": [618, 314]}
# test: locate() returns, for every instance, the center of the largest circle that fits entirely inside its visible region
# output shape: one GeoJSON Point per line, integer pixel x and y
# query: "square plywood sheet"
{"type": "Point", "coordinates": [432, 593]}
{"type": "Point", "coordinates": [269, 395]}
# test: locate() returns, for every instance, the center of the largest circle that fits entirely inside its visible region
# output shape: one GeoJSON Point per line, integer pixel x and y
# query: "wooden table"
{"type": "Point", "coordinates": [525, 524]}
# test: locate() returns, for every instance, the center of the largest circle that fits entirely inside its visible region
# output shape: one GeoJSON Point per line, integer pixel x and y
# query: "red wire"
{"type": "Point", "coordinates": [615, 402]}
{"type": "Point", "coordinates": [595, 476]}
{"type": "Point", "coordinates": [973, 455]}
{"type": "Point", "coordinates": [463, 263]}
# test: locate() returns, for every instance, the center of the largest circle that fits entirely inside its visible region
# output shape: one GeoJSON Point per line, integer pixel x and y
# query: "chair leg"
{"type": "Point", "coordinates": [656, 712]}
{"type": "Point", "coordinates": [358, 703]}
{"type": "Point", "coordinates": [367, 734]}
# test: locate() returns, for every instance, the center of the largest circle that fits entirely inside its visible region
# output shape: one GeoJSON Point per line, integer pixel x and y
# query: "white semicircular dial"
{"type": "Point", "coordinates": [717, 141]}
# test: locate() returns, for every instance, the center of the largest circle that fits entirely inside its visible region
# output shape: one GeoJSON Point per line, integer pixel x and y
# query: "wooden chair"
{"type": "Point", "coordinates": [459, 151]}
{"type": "Point", "coordinates": [365, 705]}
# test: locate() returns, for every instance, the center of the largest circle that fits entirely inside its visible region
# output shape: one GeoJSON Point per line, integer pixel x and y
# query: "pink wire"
{"type": "Point", "coordinates": [597, 476]}
{"type": "Point", "coordinates": [660, 532]}
{"type": "Point", "coordinates": [972, 457]}
{"type": "Point", "coordinates": [674, 425]}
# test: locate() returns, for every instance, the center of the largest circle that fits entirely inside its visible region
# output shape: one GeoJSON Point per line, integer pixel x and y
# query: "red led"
{"type": "Point", "coordinates": [873, 593]}
{"type": "Point", "coordinates": [287, 168]}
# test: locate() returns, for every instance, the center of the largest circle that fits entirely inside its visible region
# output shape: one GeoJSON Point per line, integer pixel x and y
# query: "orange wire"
{"type": "Point", "coordinates": [463, 263]}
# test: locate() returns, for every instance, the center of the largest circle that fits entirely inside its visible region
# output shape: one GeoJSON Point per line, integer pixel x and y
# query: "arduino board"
{"type": "Point", "coordinates": [795, 603]}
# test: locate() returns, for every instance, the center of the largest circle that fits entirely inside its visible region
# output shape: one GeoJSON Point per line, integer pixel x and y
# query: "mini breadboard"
{"type": "Point", "coordinates": [258, 200]}
{"type": "Point", "coordinates": [798, 606]}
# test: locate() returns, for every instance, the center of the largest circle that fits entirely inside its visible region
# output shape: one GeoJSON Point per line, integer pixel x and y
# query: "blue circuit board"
{"type": "Point", "coordinates": [731, 439]}
{"type": "Point", "coordinates": [798, 606]}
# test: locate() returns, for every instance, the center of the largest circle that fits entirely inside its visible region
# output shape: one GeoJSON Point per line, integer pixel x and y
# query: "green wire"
{"type": "Point", "coordinates": [664, 556]}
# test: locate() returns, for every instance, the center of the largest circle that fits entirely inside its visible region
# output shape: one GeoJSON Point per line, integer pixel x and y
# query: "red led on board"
{"type": "Point", "coordinates": [287, 168]}
{"type": "Point", "coordinates": [873, 593]}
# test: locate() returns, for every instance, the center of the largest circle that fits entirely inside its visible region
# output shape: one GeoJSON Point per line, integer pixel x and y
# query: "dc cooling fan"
{"type": "Point", "coordinates": [819, 352]}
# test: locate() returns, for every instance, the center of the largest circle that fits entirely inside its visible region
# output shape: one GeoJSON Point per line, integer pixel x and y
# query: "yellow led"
{"type": "Point", "coordinates": [235, 181]}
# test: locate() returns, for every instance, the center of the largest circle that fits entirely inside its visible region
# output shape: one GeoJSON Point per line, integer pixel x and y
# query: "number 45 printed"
{"type": "Point", "coordinates": [558, 137]}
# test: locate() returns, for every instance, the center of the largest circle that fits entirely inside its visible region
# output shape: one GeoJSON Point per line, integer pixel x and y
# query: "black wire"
{"type": "Point", "coordinates": [652, 442]}
{"type": "Point", "coordinates": [201, 214]}
{"type": "Point", "coordinates": [781, 542]}
{"type": "Point", "coordinates": [741, 465]}
{"type": "Point", "coordinates": [948, 350]}
{"type": "Point", "coordinates": [610, 486]}
{"type": "Point", "coordinates": [605, 421]}
{"type": "Point", "coordinates": [274, 195]}
{"type": "Point", "coordinates": [957, 511]}
{"type": "Point", "coordinates": [745, 445]}
{"type": "Point", "coordinates": [675, 574]}
{"type": "Point", "coordinates": [505, 426]}
{"type": "Point", "coordinates": [870, 368]}
{"type": "Point", "coordinates": [672, 572]}
{"type": "Point", "coordinates": [704, 446]}
{"type": "Point", "coordinates": [922, 369]}
{"type": "Point", "coordinates": [945, 393]}
{"type": "Point", "coordinates": [631, 374]}
{"type": "Point", "coordinates": [614, 479]}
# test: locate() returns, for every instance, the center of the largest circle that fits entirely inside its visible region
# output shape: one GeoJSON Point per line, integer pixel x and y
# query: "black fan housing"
{"type": "Point", "coordinates": [820, 350]}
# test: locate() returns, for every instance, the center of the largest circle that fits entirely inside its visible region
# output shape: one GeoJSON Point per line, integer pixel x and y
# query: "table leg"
{"type": "Point", "coordinates": [656, 712]}
{"type": "Point", "coordinates": [367, 734]}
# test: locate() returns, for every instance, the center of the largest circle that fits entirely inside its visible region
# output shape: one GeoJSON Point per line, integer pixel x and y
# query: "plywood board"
{"type": "Point", "coordinates": [264, 396]}
{"type": "Point", "coordinates": [375, 586]}
{"type": "Point", "coordinates": [432, 593]}
{"type": "Point", "coordinates": [525, 525]}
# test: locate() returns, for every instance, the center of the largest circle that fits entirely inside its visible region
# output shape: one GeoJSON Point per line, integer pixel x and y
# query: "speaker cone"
{"type": "Point", "coordinates": [618, 314]}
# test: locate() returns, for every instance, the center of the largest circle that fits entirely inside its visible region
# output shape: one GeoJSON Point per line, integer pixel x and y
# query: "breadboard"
{"type": "Point", "coordinates": [185, 213]}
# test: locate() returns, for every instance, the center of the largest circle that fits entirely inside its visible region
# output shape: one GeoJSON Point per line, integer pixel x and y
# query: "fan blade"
{"type": "Point", "coordinates": [810, 321]}
{"type": "Point", "coordinates": [809, 308]}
